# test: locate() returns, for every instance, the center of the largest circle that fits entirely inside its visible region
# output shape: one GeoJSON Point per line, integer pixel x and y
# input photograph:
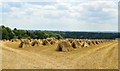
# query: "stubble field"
{"type": "Point", "coordinates": [102, 56]}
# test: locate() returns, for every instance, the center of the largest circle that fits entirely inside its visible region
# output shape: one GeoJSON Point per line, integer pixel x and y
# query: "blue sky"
{"type": "Point", "coordinates": [63, 15]}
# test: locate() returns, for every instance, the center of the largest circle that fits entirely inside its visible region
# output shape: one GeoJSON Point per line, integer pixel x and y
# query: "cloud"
{"type": "Point", "coordinates": [0, 3]}
{"type": "Point", "coordinates": [57, 15]}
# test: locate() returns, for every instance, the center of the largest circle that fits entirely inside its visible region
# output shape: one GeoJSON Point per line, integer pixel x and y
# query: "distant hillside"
{"type": "Point", "coordinates": [7, 33]}
{"type": "Point", "coordinates": [90, 35]}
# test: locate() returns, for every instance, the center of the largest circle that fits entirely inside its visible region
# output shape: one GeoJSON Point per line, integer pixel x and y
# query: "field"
{"type": "Point", "coordinates": [101, 56]}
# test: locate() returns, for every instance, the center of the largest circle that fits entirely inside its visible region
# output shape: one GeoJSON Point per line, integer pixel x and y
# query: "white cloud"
{"type": "Point", "coordinates": [0, 3]}
{"type": "Point", "coordinates": [75, 15]}
{"type": "Point", "coordinates": [49, 7]}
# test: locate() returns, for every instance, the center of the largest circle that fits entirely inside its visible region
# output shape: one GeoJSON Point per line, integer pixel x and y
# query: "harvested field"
{"type": "Point", "coordinates": [102, 56]}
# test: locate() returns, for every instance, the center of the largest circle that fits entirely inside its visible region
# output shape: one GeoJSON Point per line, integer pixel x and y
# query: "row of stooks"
{"type": "Point", "coordinates": [62, 44]}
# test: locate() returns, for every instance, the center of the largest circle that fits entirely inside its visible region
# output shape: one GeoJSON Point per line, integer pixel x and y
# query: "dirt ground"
{"type": "Point", "coordinates": [102, 56]}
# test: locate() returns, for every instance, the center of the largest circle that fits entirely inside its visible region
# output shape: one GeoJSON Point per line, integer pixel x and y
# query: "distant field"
{"type": "Point", "coordinates": [102, 56]}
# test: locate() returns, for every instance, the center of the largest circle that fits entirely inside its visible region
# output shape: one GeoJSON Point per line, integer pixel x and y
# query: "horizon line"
{"type": "Point", "coordinates": [69, 30]}
{"type": "Point", "coordinates": [63, 30]}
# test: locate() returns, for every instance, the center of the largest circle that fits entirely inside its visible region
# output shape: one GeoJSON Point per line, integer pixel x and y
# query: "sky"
{"type": "Point", "coordinates": [60, 15]}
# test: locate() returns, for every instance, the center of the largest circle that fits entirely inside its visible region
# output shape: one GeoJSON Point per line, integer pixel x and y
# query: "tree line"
{"type": "Point", "coordinates": [8, 33]}
{"type": "Point", "coordinates": [91, 35]}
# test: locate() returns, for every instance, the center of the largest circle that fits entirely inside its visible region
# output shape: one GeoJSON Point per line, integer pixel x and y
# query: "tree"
{"type": "Point", "coordinates": [58, 36]}
{"type": "Point", "coordinates": [5, 34]}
